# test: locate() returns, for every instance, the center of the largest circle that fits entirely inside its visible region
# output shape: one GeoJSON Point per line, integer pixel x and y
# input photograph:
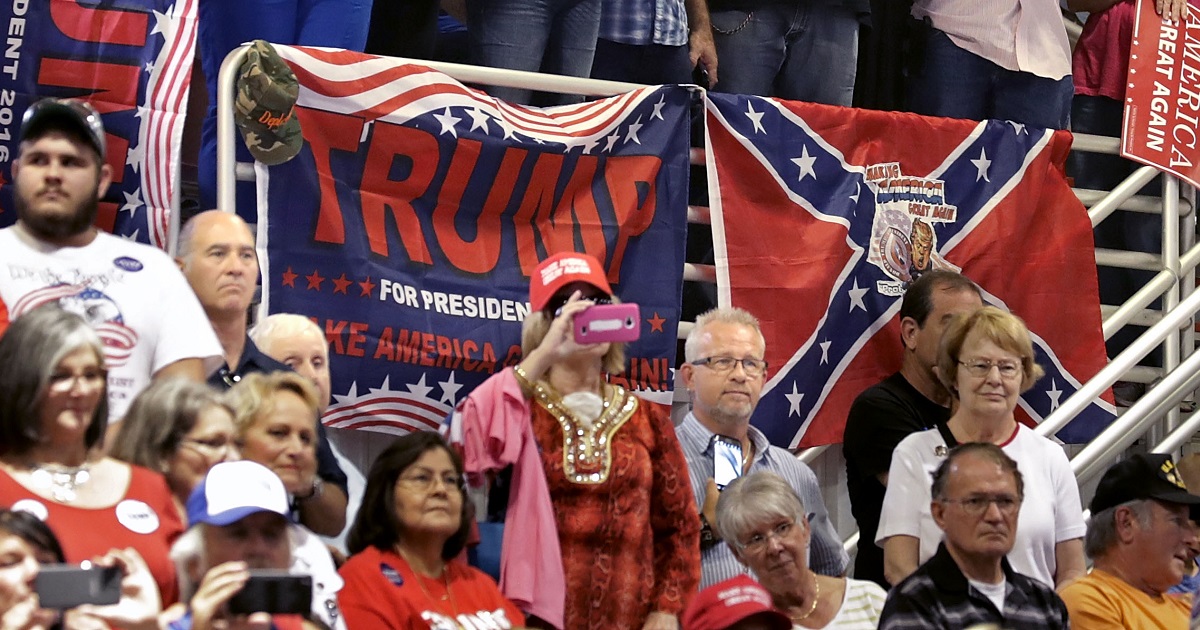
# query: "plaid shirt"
{"type": "Point", "coordinates": [937, 595]}
{"type": "Point", "coordinates": [642, 22]}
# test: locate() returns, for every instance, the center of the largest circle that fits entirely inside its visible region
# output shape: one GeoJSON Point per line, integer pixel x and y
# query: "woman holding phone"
{"type": "Point", "coordinates": [594, 468]}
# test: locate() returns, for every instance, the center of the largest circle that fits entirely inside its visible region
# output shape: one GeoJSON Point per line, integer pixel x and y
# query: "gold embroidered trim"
{"type": "Point", "coordinates": [587, 450]}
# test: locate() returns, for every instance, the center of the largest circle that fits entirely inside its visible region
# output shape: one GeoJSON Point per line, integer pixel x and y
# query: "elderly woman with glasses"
{"type": "Point", "coordinates": [593, 468]}
{"type": "Point", "coordinates": [406, 541]}
{"type": "Point", "coordinates": [766, 526]}
{"type": "Point", "coordinates": [53, 414]}
{"type": "Point", "coordinates": [986, 361]}
{"type": "Point", "coordinates": [180, 428]}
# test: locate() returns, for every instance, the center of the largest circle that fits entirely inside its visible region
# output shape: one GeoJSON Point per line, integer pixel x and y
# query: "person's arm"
{"type": "Point", "coordinates": [1069, 564]}
{"type": "Point", "coordinates": [324, 511]}
{"type": "Point", "coordinates": [559, 341]}
{"type": "Point", "coordinates": [826, 555]}
{"type": "Point", "coordinates": [901, 556]}
{"type": "Point", "coordinates": [675, 526]}
{"type": "Point", "coordinates": [701, 48]}
{"type": "Point", "coordinates": [139, 605]}
{"type": "Point", "coordinates": [192, 369]}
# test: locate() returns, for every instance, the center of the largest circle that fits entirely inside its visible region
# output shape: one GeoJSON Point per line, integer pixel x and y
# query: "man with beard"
{"type": "Point", "coordinates": [132, 294]}
{"type": "Point", "coordinates": [724, 372]}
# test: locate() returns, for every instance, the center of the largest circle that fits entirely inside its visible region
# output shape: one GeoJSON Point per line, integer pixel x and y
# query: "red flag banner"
{"type": "Point", "coordinates": [823, 215]}
{"type": "Point", "coordinates": [1162, 100]}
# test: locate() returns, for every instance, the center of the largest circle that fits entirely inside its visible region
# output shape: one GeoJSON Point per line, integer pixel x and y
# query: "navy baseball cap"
{"type": "Point", "coordinates": [232, 491]}
{"type": "Point", "coordinates": [65, 114]}
{"type": "Point", "coordinates": [1150, 476]}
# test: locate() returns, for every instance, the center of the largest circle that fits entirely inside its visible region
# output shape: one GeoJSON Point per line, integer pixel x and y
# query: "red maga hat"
{"type": "Point", "coordinates": [722, 605]}
{"type": "Point", "coordinates": [560, 270]}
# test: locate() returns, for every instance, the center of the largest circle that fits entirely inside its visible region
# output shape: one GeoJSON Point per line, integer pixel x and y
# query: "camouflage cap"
{"type": "Point", "coordinates": [264, 108]}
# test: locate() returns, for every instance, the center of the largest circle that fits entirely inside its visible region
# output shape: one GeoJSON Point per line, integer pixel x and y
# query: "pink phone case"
{"type": "Point", "coordinates": [608, 323]}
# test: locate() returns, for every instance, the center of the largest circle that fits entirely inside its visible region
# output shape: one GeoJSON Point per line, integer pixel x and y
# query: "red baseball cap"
{"type": "Point", "coordinates": [738, 599]}
{"type": "Point", "coordinates": [560, 270]}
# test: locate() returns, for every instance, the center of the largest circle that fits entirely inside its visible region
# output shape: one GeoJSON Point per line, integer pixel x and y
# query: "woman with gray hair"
{"type": "Point", "coordinates": [765, 524]}
{"type": "Point", "coordinates": [53, 413]}
{"type": "Point", "coordinates": [180, 428]}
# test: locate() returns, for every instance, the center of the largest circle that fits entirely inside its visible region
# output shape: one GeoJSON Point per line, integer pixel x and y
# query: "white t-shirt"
{"type": "Point", "coordinates": [994, 592]}
{"type": "Point", "coordinates": [132, 294]}
{"type": "Point", "coordinates": [1051, 512]}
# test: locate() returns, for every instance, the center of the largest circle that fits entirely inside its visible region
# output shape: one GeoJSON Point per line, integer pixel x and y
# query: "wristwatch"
{"type": "Point", "coordinates": [318, 487]}
{"type": "Point", "coordinates": [708, 536]}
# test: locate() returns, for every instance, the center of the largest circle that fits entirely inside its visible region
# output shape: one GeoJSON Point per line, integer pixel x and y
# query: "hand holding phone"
{"type": "Point", "coordinates": [275, 592]}
{"type": "Point", "coordinates": [64, 586]}
{"type": "Point", "coordinates": [608, 323]}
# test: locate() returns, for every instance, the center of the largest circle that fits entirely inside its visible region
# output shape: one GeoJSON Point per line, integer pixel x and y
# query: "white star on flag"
{"type": "Point", "coordinates": [612, 140]}
{"type": "Point", "coordinates": [1018, 128]}
{"type": "Point", "coordinates": [162, 24]}
{"type": "Point", "coordinates": [591, 144]}
{"type": "Point", "coordinates": [1055, 394]}
{"type": "Point", "coordinates": [755, 117]}
{"type": "Point", "coordinates": [134, 157]}
{"type": "Point", "coordinates": [419, 388]}
{"type": "Point", "coordinates": [794, 399]}
{"type": "Point", "coordinates": [657, 113]}
{"type": "Point", "coordinates": [132, 201]}
{"type": "Point", "coordinates": [857, 191]}
{"type": "Point", "coordinates": [479, 119]}
{"type": "Point", "coordinates": [805, 162]}
{"type": "Point", "coordinates": [825, 351]}
{"type": "Point", "coordinates": [856, 297]}
{"type": "Point", "coordinates": [632, 134]}
{"type": "Point", "coordinates": [982, 165]}
{"type": "Point", "coordinates": [149, 67]}
{"type": "Point", "coordinates": [448, 121]}
{"type": "Point", "coordinates": [449, 389]}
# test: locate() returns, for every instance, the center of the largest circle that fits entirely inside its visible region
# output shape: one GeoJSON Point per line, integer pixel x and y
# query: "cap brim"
{"type": "Point", "coordinates": [58, 116]}
{"type": "Point", "coordinates": [233, 515]}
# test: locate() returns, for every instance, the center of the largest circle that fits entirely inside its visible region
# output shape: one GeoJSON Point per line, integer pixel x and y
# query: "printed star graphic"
{"type": "Point", "coordinates": [755, 117]}
{"type": "Point", "coordinates": [133, 201]}
{"type": "Point", "coordinates": [634, 127]}
{"type": "Point", "coordinates": [162, 24]}
{"type": "Point", "coordinates": [384, 388]}
{"type": "Point", "coordinates": [657, 113]}
{"type": "Point", "coordinates": [314, 280]}
{"type": "Point", "coordinates": [340, 284]}
{"type": "Point", "coordinates": [420, 388]}
{"type": "Point", "coordinates": [448, 121]}
{"type": "Point", "coordinates": [612, 140]}
{"type": "Point", "coordinates": [805, 162]}
{"type": "Point", "coordinates": [1055, 394]}
{"type": "Point", "coordinates": [289, 278]}
{"type": "Point", "coordinates": [149, 67]}
{"type": "Point", "coordinates": [794, 399]}
{"type": "Point", "coordinates": [825, 351]}
{"type": "Point", "coordinates": [350, 395]}
{"type": "Point", "coordinates": [449, 390]}
{"type": "Point", "coordinates": [857, 191]}
{"type": "Point", "coordinates": [141, 112]}
{"type": "Point", "coordinates": [1018, 128]}
{"type": "Point", "coordinates": [856, 297]}
{"type": "Point", "coordinates": [656, 323]}
{"type": "Point", "coordinates": [132, 236]}
{"type": "Point", "coordinates": [509, 132]}
{"type": "Point", "coordinates": [479, 119]}
{"type": "Point", "coordinates": [982, 165]}
{"type": "Point", "coordinates": [367, 287]}
{"type": "Point", "coordinates": [134, 157]}
{"type": "Point", "coordinates": [591, 144]}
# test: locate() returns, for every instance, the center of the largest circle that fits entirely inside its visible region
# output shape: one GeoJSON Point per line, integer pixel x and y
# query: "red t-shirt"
{"type": "Point", "coordinates": [1101, 58]}
{"type": "Point", "coordinates": [145, 518]}
{"type": "Point", "coordinates": [381, 591]}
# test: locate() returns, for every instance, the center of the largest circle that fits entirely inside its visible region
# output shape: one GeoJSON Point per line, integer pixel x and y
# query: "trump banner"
{"type": "Point", "coordinates": [132, 60]}
{"type": "Point", "coordinates": [409, 224]}
{"type": "Point", "coordinates": [1162, 98]}
{"type": "Point", "coordinates": [823, 215]}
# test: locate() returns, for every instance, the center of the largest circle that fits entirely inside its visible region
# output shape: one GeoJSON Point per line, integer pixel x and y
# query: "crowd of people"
{"type": "Point", "coordinates": [145, 427]}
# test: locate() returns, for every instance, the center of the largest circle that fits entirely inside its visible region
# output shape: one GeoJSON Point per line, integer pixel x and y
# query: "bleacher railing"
{"type": "Point", "coordinates": [1173, 328]}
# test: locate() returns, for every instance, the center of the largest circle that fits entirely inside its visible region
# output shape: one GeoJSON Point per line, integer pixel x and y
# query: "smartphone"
{"type": "Point", "coordinates": [727, 460]}
{"type": "Point", "coordinates": [63, 586]}
{"type": "Point", "coordinates": [275, 592]}
{"type": "Point", "coordinates": [608, 323]}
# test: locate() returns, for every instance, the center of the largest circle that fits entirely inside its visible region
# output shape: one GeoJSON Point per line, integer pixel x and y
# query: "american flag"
{"type": "Point", "coordinates": [821, 216]}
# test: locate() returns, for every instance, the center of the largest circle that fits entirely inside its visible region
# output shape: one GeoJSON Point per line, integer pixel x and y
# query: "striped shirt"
{"type": "Point", "coordinates": [717, 564]}
{"type": "Point", "coordinates": [1021, 35]}
{"type": "Point", "coordinates": [938, 595]}
{"type": "Point", "coordinates": [644, 22]}
{"type": "Point", "coordinates": [860, 607]}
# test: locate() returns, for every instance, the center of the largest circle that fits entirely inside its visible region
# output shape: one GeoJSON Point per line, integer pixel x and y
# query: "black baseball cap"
{"type": "Point", "coordinates": [65, 114]}
{"type": "Point", "coordinates": [1150, 476]}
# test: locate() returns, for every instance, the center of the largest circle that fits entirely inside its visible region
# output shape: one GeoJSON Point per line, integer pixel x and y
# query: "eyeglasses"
{"type": "Point", "coordinates": [212, 448]}
{"type": "Point", "coordinates": [977, 505]}
{"type": "Point", "coordinates": [723, 365]}
{"type": "Point", "coordinates": [1009, 369]}
{"type": "Point", "coordinates": [425, 481]}
{"type": "Point", "coordinates": [64, 382]}
{"type": "Point", "coordinates": [758, 542]}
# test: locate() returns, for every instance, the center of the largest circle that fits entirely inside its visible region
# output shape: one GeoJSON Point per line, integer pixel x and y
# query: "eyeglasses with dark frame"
{"type": "Point", "coordinates": [978, 504]}
{"type": "Point", "coordinates": [723, 365]}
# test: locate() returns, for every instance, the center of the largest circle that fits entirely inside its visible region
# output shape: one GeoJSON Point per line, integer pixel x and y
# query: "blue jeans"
{"type": "Point", "coordinates": [652, 64]}
{"type": "Point", "coordinates": [958, 84]}
{"type": "Point", "coordinates": [227, 24]}
{"type": "Point", "coordinates": [550, 36]}
{"type": "Point", "coordinates": [799, 51]}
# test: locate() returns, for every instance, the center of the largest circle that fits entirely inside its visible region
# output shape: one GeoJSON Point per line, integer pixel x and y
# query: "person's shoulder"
{"type": "Point", "coordinates": [919, 440]}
